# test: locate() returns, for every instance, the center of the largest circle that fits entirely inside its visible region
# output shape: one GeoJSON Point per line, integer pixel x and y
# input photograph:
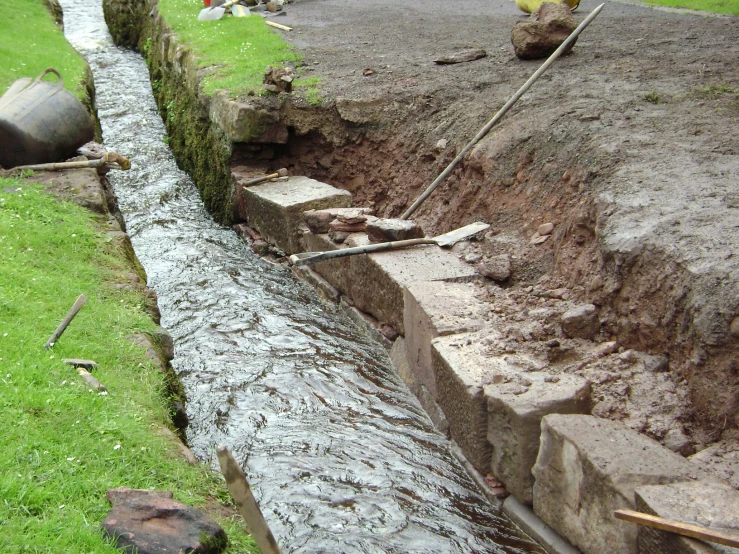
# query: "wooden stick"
{"type": "Point", "coordinates": [90, 380]}
{"type": "Point", "coordinates": [678, 527]}
{"type": "Point", "coordinates": [245, 501]}
{"type": "Point", "coordinates": [278, 26]}
{"type": "Point", "coordinates": [63, 325]}
{"type": "Point", "coordinates": [498, 116]}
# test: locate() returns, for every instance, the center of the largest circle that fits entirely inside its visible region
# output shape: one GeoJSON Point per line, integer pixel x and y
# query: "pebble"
{"type": "Point", "coordinates": [545, 229]}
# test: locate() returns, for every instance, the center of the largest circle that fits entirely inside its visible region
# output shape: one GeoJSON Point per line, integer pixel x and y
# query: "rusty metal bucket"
{"type": "Point", "coordinates": [41, 122]}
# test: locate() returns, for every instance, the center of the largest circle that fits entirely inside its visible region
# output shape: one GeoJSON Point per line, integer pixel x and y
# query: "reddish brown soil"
{"type": "Point", "coordinates": [628, 145]}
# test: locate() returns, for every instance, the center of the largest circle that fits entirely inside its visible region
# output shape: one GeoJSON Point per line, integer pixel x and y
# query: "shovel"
{"type": "Point", "coordinates": [447, 239]}
{"type": "Point", "coordinates": [240, 11]}
{"type": "Point", "coordinates": [215, 12]}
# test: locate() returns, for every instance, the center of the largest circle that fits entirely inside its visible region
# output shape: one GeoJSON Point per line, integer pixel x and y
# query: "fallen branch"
{"type": "Point", "coordinates": [678, 527]}
{"type": "Point", "coordinates": [111, 160]}
{"type": "Point", "coordinates": [66, 321]}
{"type": "Point", "coordinates": [245, 501]}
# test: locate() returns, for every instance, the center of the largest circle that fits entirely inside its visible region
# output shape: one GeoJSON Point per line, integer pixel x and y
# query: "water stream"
{"type": "Point", "coordinates": [340, 454]}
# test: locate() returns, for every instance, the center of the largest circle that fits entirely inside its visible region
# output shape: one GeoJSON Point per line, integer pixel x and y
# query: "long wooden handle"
{"type": "Point", "coordinates": [678, 527]}
{"type": "Point", "coordinates": [245, 501]}
{"type": "Point", "coordinates": [81, 299]}
{"type": "Point", "coordinates": [278, 26]}
{"type": "Point", "coordinates": [312, 257]}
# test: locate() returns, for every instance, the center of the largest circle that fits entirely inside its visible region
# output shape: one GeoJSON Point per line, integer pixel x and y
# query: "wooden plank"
{"type": "Point", "coordinates": [678, 527]}
{"type": "Point", "coordinates": [278, 26]}
{"type": "Point", "coordinates": [87, 364]}
{"type": "Point", "coordinates": [245, 501]}
{"type": "Point", "coordinates": [81, 299]}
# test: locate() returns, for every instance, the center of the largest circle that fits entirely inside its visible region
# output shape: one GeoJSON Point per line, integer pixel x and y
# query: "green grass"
{"type": "Point", "coordinates": [239, 48]}
{"type": "Point", "coordinates": [31, 42]}
{"type": "Point", "coordinates": [728, 7]}
{"type": "Point", "coordinates": [62, 445]}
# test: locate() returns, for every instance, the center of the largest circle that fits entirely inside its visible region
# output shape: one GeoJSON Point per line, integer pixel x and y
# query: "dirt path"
{"type": "Point", "coordinates": [628, 145]}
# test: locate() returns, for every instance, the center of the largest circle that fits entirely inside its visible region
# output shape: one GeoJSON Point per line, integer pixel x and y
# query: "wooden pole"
{"type": "Point", "coordinates": [63, 325]}
{"type": "Point", "coordinates": [245, 501]}
{"type": "Point", "coordinates": [678, 527]}
{"type": "Point", "coordinates": [278, 26]}
{"type": "Point", "coordinates": [498, 116]}
{"type": "Point", "coordinates": [90, 380]}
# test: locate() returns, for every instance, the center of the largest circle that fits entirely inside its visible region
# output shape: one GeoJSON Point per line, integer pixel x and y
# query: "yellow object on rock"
{"type": "Point", "coordinates": [530, 6]}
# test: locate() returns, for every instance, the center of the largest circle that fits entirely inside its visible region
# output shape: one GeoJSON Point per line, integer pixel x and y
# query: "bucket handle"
{"type": "Point", "coordinates": [60, 82]}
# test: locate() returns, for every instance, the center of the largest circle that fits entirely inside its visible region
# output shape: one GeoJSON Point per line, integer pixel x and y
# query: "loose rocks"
{"type": "Point", "coordinates": [151, 522]}
{"type": "Point", "coordinates": [581, 322]}
{"type": "Point", "coordinates": [543, 32]}
{"type": "Point", "coordinates": [497, 268]}
{"type": "Point", "coordinates": [388, 230]}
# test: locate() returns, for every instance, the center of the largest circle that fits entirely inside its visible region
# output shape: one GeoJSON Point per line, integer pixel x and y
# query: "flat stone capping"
{"type": "Point", "coordinates": [589, 467]}
{"type": "Point", "coordinates": [276, 209]}
{"type": "Point", "coordinates": [514, 423]}
{"type": "Point", "coordinates": [432, 309]}
{"type": "Point", "coordinates": [375, 282]}
{"type": "Point", "coordinates": [714, 505]}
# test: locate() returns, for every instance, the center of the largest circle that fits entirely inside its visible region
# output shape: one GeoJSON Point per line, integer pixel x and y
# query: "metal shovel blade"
{"type": "Point", "coordinates": [447, 239]}
{"type": "Point", "coordinates": [452, 237]}
{"type": "Point", "coordinates": [211, 14]}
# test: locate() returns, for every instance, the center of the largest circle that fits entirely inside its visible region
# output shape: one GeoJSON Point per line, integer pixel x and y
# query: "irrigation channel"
{"type": "Point", "coordinates": [340, 454]}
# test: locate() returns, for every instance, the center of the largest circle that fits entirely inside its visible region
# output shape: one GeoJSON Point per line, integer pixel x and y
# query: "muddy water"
{"type": "Point", "coordinates": [340, 454]}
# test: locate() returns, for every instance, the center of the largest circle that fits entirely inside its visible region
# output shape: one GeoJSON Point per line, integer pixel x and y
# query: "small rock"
{"type": "Point", "coordinates": [581, 322]}
{"type": "Point", "coordinates": [389, 332]}
{"type": "Point", "coordinates": [551, 379]}
{"type": "Point", "coordinates": [367, 72]}
{"type": "Point", "coordinates": [260, 247]}
{"type": "Point", "coordinates": [388, 230]}
{"type": "Point", "coordinates": [338, 225]}
{"type": "Point", "coordinates": [92, 150]}
{"type": "Point", "coordinates": [545, 229]}
{"type": "Point", "coordinates": [606, 349]}
{"type": "Point", "coordinates": [497, 268]}
{"type": "Point", "coordinates": [151, 522]}
{"type": "Point", "coordinates": [543, 32]}
{"type": "Point", "coordinates": [734, 327]}
{"type": "Point", "coordinates": [441, 144]}
{"type": "Point", "coordinates": [462, 56]}
{"type": "Point", "coordinates": [278, 79]}
{"type": "Point", "coordinates": [338, 236]}
{"type": "Point", "coordinates": [536, 238]}
{"type": "Point", "coordinates": [472, 257]}
{"type": "Point", "coordinates": [676, 441]}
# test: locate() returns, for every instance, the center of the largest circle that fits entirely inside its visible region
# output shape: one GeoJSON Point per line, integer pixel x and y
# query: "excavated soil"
{"type": "Point", "coordinates": [628, 146]}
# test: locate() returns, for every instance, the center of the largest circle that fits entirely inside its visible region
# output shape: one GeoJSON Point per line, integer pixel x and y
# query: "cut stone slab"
{"type": "Point", "coordinates": [432, 309]}
{"type": "Point", "coordinates": [276, 209]}
{"type": "Point", "coordinates": [514, 423]}
{"type": "Point", "coordinates": [587, 468]}
{"type": "Point", "coordinates": [151, 522]}
{"type": "Point", "coordinates": [375, 282]}
{"type": "Point", "coordinates": [714, 505]}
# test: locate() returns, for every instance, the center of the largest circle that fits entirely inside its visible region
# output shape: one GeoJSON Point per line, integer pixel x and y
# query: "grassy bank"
{"type": "Point", "coordinates": [239, 49]}
{"type": "Point", "coordinates": [64, 445]}
{"type": "Point", "coordinates": [31, 42]}
{"type": "Point", "coordinates": [727, 7]}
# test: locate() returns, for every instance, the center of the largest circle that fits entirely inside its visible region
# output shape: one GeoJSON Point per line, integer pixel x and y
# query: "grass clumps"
{"type": "Point", "coordinates": [239, 48]}
{"type": "Point", "coordinates": [727, 7]}
{"type": "Point", "coordinates": [63, 445]}
{"type": "Point", "coordinates": [31, 42]}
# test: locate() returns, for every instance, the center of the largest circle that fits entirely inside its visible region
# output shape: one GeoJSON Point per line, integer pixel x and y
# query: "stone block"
{"type": "Point", "coordinates": [375, 282]}
{"type": "Point", "coordinates": [587, 468]}
{"type": "Point", "coordinates": [515, 412]}
{"type": "Point", "coordinates": [276, 209]}
{"type": "Point", "coordinates": [714, 505]}
{"type": "Point", "coordinates": [432, 309]}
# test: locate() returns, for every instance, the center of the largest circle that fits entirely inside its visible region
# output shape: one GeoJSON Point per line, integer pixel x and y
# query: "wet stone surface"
{"type": "Point", "coordinates": [340, 454]}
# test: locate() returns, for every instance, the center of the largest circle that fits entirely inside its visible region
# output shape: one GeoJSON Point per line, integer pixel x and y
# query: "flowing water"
{"type": "Point", "coordinates": [341, 456]}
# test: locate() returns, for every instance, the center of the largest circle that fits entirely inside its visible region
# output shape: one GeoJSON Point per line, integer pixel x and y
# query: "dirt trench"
{"type": "Point", "coordinates": [628, 146]}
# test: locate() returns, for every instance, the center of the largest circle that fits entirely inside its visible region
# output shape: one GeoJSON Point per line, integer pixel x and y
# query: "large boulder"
{"type": "Point", "coordinates": [543, 32]}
